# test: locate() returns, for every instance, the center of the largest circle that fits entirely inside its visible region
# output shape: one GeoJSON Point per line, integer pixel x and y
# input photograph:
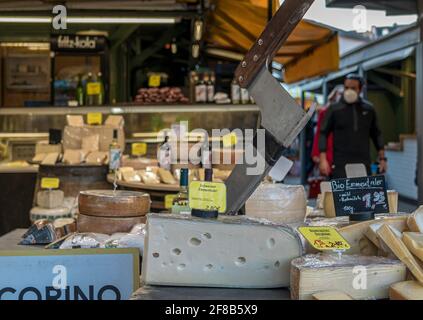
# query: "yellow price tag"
{"type": "Point", "coordinates": [94, 118]}
{"type": "Point", "coordinates": [230, 140]}
{"type": "Point", "coordinates": [207, 196]}
{"type": "Point", "coordinates": [139, 149]}
{"type": "Point", "coordinates": [154, 81]}
{"type": "Point", "coordinates": [50, 183]}
{"type": "Point", "coordinates": [168, 202]}
{"type": "Point", "coordinates": [324, 238]}
{"type": "Point", "coordinates": [93, 88]}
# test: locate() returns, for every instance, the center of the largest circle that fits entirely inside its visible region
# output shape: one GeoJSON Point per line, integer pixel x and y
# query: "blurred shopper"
{"type": "Point", "coordinates": [333, 97]}
{"type": "Point", "coordinates": [353, 123]}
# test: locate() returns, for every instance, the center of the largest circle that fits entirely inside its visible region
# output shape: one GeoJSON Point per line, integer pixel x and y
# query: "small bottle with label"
{"type": "Point", "coordinates": [80, 92]}
{"type": "Point", "coordinates": [89, 96]}
{"type": "Point", "coordinates": [211, 89]}
{"type": "Point", "coordinates": [115, 153]}
{"type": "Point", "coordinates": [201, 91]}
{"type": "Point", "coordinates": [180, 204]}
{"type": "Point", "coordinates": [100, 97]}
{"type": "Point", "coordinates": [164, 156]}
{"type": "Point", "coordinates": [245, 96]}
{"type": "Point", "coordinates": [235, 92]}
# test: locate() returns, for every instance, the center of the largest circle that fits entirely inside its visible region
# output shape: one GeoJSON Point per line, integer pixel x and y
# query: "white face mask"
{"type": "Point", "coordinates": [350, 96]}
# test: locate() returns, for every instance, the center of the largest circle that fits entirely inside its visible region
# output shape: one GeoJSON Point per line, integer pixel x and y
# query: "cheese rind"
{"type": "Point", "coordinates": [321, 272]}
{"type": "Point", "coordinates": [231, 251]}
{"type": "Point", "coordinates": [406, 290]}
{"type": "Point", "coordinates": [415, 221]}
{"type": "Point", "coordinates": [414, 242]}
{"type": "Point", "coordinates": [398, 248]}
{"type": "Point", "coordinates": [331, 295]}
{"type": "Point", "coordinates": [107, 225]}
{"type": "Point", "coordinates": [109, 203]}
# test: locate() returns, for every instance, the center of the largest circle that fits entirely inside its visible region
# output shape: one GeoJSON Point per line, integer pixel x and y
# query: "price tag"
{"type": "Point", "coordinates": [324, 238]}
{"type": "Point", "coordinates": [168, 202]}
{"type": "Point", "coordinates": [93, 88]}
{"type": "Point", "coordinates": [94, 118]}
{"type": "Point", "coordinates": [50, 183]}
{"type": "Point", "coordinates": [230, 140]}
{"type": "Point", "coordinates": [154, 81]}
{"type": "Point", "coordinates": [139, 149]}
{"type": "Point", "coordinates": [207, 196]}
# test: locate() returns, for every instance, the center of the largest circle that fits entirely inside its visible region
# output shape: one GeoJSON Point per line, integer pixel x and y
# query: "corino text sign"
{"type": "Point", "coordinates": [74, 274]}
{"type": "Point", "coordinates": [360, 195]}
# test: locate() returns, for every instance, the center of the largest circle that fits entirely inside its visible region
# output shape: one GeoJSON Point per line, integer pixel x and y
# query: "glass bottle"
{"type": "Point", "coordinates": [80, 92]}
{"type": "Point", "coordinates": [114, 153]}
{"type": "Point", "coordinates": [100, 97]}
{"type": "Point", "coordinates": [89, 97]}
{"type": "Point", "coordinates": [211, 89]}
{"type": "Point", "coordinates": [180, 204]}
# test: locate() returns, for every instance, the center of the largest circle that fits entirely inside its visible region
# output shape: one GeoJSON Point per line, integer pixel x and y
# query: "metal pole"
{"type": "Point", "coordinates": [325, 91]}
{"type": "Point", "coordinates": [303, 147]}
{"type": "Point", "coordinates": [269, 9]}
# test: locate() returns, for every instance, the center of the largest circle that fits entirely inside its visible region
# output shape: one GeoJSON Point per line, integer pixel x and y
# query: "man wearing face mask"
{"type": "Point", "coordinates": [353, 123]}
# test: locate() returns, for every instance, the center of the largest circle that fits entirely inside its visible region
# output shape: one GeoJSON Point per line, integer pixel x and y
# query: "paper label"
{"type": "Point", "coordinates": [207, 196]}
{"type": "Point", "coordinates": [95, 118]}
{"type": "Point", "coordinates": [93, 88]}
{"type": "Point", "coordinates": [50, 183]}
{"type": "Point", "coordinates": [139, 149]}
{"type": "Point", "coordinates": [168, 200]}
{"type": "Point", "coordinates": [229, 140]}
{"type": "Point", "coordinates": [324, 238]}
{"type": "Point", "coordinates": [154, 81]}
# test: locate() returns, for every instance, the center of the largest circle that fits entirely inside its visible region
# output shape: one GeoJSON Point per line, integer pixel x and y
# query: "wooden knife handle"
{"type": "Point", "coordinates": [274, 35]}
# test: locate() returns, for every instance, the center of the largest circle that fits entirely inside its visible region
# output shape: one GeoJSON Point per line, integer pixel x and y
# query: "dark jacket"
{"type": "Point", "coordinates": [352, 126]}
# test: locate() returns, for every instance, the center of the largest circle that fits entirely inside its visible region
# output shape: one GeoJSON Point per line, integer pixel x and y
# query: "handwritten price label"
{"type": "Point", "coordinates": [324, 238]}
{"type": "Point", "coordinates": [207, 196]}
{"type": "Point", "coordinates": [50, 183]}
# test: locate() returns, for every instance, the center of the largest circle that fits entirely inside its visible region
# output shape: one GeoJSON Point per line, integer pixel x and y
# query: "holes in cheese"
{"type": "Point", "coordinates": [176, 251]}
{"type": "Point", "coordinates": [156, 255]}
{"type": "Point", "coordinates": [195, 242]}
{"type": "Point", "coordinates": [215, 253]}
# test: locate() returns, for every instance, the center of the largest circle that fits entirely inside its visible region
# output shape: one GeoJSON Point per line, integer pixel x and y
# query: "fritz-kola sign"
{"type": "Point", "coordinates": [77, 43]}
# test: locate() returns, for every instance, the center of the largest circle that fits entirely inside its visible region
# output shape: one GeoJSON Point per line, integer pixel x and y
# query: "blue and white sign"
{"type": "Point", "coordinates": [75, 274]}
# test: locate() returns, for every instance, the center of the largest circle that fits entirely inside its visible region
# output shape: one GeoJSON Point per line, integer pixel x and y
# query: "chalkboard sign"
{"type": "Point", "coordinates": [353, 195]}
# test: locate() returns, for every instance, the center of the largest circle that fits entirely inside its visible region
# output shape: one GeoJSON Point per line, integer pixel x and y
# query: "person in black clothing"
{"type": "Point", "coordinates": [353, 123]}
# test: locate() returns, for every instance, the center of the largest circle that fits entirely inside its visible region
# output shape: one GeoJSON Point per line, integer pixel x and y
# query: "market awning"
{"type": "Point", "coordinates": [311, 50]}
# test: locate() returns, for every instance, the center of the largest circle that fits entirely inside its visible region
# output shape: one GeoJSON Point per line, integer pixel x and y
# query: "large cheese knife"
{"type": "Point", "coordinates": [281, 117]}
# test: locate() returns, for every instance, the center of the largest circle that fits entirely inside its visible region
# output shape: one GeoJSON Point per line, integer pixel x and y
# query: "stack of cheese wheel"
{"type": "Point", "coordinates": [108, 211]}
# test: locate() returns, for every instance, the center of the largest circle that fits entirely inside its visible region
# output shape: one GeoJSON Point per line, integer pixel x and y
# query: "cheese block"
{"type": "Point", "coordinates": [44, 147]}
{"type": "Point", "coordinates": [107, 225]}
{"type": "Point", "coordinates": [50, 159]}
{"type": "Point", "coordinates": [115, 121]}
{"type": "Point", "coordinates": [314, 273]}
{"type": "Point", "coordinates": [398, 224]}
{"type": "Point", "coordinates": [278, 203]}
{"type": "Point", "coordinates": [414, 242]}
{"type": "Point", "coordinates": [331, 295]}
{"type": "Point", "coordinates": [64, 226]}
{"type": "Point", "coordinates": [231, 251]}
{"type": "Point", "coordinates": [415, 221]}
{"type": "Point", "coordinates": [97, 157]}
{"type": "Point", "coordinates": [75, 120]}
{"type": "Point", "coordinates": [91, 143]}
{"type": "Point", "coordinates": [166, 176]}
{"type": "Point", "coordinates": [38, 158]}
{"type": "Point", "coordinates": [38, 213]}
{"type": "Point", "coordinates": [149, 177]}
{"type": "Point", "coordinates": [109, 203]}
{"type": "Point", "coordinates": [73, 157]}
{"type": "Point", "coordinates": [355, 234]}
{"type": "Point", "coordinates": [50, 199]}
{"type": "Point", "coordinates": [406, 290]}
{"type": "Point", "coordinates": [396, 245]}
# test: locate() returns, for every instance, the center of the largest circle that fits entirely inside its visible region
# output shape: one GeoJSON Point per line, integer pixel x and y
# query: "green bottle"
{"type": "Point", "coordinates": [80, 92]}
{"type": "Point", "coordinates": [100, 97]}
{"type": "Point", "coordinates": [180, 204]}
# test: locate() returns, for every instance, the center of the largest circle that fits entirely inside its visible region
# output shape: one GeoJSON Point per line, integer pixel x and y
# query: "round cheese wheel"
{"type": "Point", "coordinates": [109, 203]}
{"type": "Point", "coordinates": [107, 225]}
{"type": "Point", "coordinates": [38, 213]}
